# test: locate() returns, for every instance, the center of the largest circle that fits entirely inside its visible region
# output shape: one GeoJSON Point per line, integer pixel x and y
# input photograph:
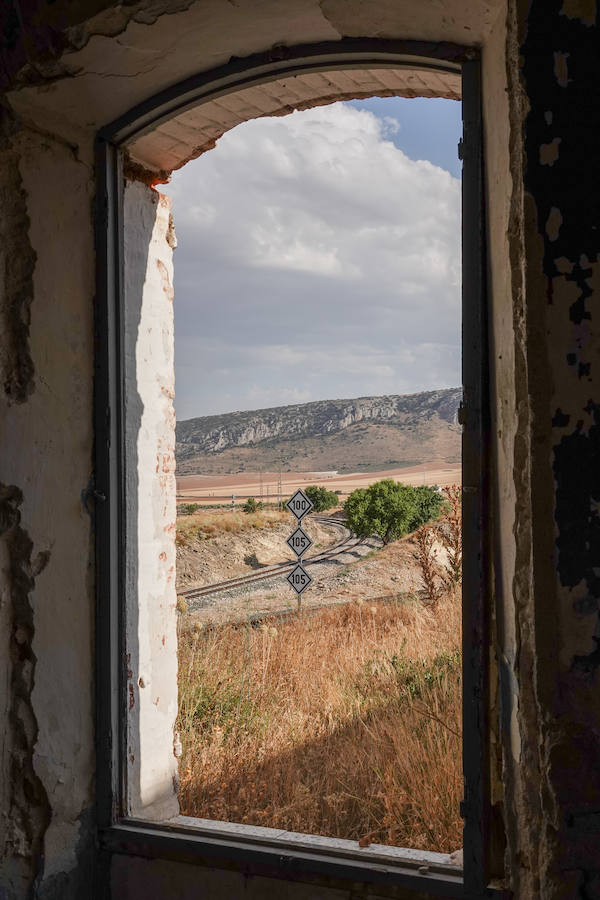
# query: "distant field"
{"type": "Point", "coordinates": [214, 489]}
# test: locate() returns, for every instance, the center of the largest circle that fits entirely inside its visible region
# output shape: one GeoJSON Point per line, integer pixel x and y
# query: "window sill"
{"type": "Point", "coordinates": [288, 855]}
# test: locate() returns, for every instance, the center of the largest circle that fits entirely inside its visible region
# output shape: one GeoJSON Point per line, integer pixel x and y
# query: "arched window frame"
{"type": "Point", "coordinates": [121, 834]}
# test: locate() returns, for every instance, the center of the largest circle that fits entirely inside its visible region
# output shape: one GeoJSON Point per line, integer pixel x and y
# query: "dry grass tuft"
{"type": "Point", "coordinates": [205, 525]}
{"type": "Point", "coordinates": [345, 723]}
{"type": "Point", "coordinates": [441, 577]}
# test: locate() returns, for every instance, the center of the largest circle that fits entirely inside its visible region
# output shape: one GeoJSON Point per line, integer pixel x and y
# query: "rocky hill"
{"type": "Point", "coordinates": [366, 432]}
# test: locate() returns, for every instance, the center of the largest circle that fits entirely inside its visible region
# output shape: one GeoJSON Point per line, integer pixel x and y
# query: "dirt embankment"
{"type": "Point", "coordinates": [205, 559]}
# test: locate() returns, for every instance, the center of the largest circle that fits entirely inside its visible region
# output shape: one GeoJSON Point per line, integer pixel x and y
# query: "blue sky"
{"type": "Point", "coordinates": [429, 129]}
{"type": "Point", "coordinates": [319, 257]}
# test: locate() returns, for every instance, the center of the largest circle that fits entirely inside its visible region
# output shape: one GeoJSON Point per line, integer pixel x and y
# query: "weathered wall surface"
{"type": "Point", "coordinates": [137, 879]}
{"type": "Point", "coordinates": [99, 59]}
{"type": "Point", "coordinates": [96, 78]}
{"type": "Point", "coordinates": [504, 353]}
{"type": "Point", "coordinates": [150, 489]}
{"type": "Point", "coordinates": [556, 796]}
{"type": "Point", "coordinates": [46, 584]}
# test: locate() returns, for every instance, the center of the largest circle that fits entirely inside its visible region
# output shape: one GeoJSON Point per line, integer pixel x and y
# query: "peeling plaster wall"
{"type": "Point", "coordinates": [46, 587]}
{"type": "Point", "coordinates": [25, 806]}
{"type": "Point", "coordinates": [69, 69]}
{"type": "Point", "coordinates": [558, 614]}
{"type": "Point", "coordinates": [16, 365]}
{"type": "Point", "coordinates": [95, 78]}
{"type": "Point", "coordinates": [151, 643]}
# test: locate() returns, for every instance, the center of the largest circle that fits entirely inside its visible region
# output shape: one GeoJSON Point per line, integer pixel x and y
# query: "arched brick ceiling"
{"type": "Point", "coordinates": [171, 144]}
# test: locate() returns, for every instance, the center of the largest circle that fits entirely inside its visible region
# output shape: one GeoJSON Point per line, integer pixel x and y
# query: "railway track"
{"type": "Point", "coordinates": [348, 542]}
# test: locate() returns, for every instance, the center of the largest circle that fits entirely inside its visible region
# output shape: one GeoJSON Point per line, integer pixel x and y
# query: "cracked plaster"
{"type": "Point", "coordinates": [546, 437]}
{"type": "Point", "coordinates": [54, 425]}
{"type": "Point", "coordinates": [138, 59]}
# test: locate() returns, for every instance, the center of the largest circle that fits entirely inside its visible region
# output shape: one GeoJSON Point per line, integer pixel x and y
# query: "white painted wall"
{"type": "Point", "coordinates": [150, 520]}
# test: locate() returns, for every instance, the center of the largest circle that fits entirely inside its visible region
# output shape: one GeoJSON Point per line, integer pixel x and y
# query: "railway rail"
{"type": "Point", "coordinates": [347, 543]}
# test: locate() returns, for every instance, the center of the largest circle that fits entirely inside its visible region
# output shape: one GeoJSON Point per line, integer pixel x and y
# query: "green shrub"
{"type": "Point", "coordinates": [391, 509]}
{"type": "Point", "coordinates": [188, 509]}
{"type": "Point", "coordinates": [321, 498]}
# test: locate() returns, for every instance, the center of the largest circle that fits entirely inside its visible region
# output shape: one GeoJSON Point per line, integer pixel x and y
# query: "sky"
{"type": "Point", "coordinates": [318, 258]}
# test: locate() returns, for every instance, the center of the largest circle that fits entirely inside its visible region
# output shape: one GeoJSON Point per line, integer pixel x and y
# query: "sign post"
{"type": "Point", "coordinates": [299, 579]}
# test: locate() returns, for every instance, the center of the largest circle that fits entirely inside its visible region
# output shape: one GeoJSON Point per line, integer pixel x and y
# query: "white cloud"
{"type": "Point", "coordinates": [311, 247]}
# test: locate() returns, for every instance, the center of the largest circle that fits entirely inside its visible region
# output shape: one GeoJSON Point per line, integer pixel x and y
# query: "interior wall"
{"type": "Point", "coordinates": [503, 354]}
{"type": "Point", "coordinates": [558, 615]}
{"type": "Point", "coordinates": [137, 879]}
{"type": "Point", "coordinates": [71, 68]}
{"type": "Point", "coordinates": [69, 72]}
{"type": "Point", "coordinates": [46, 520]}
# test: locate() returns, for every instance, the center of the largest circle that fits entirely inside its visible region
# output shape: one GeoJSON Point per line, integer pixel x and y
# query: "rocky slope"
{"type": "Point", "coordinates": [233, 440]}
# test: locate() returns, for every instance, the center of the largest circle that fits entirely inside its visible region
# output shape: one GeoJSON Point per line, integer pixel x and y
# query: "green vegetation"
{"type": "Point", "coordinates": [321, 498]}
{"type": "Point", "coordinates": [188, 509]}
{"type": "Point", "coordinates": [251, 506]}
{"type": "Point", "coordinates": [391, 509]}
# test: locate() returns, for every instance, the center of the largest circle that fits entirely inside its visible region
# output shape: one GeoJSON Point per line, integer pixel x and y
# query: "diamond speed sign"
{"type": "Point", "coordinates": [299, 541]}
{"type": "Point", "coordinates": [299, 579]}
{"type": "Point", "coordinates": [299, 504]}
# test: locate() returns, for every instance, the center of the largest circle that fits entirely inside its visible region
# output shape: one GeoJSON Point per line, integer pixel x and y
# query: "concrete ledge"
{"type": "Point", "coordinates": [313, 842]}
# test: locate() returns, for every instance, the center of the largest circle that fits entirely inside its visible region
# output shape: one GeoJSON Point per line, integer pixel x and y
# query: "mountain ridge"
{"type": "Point", "coordinates": [322, 429]}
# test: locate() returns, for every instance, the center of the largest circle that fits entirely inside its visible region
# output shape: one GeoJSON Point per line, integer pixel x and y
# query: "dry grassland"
{"type": "Point", "coordinates": [205, 524]}
{"type": "Point", "coordinates": [346, 723]}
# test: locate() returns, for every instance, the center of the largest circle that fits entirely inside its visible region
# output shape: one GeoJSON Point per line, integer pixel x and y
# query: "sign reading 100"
{"type": "Point", "coordinates": [299, 504]}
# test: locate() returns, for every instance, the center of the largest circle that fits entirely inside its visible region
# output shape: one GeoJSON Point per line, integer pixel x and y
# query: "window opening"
{"type": "Point", "coordinates": [136, 510]}
{"type": "Point", "coordinates": [319, 258]}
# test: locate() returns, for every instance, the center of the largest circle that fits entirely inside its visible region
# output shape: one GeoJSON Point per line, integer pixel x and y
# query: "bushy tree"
{"type": "Point", "coordinates": [391, 509]}
{"type": "Point", "coordinates": [321, 498]}
{"type": "Point", "coordinates": [429, 503]}
{"type": "Point", "coordinates": [251, 505]}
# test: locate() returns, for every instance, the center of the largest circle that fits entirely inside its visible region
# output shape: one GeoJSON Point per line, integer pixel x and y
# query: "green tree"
{"type": "Point", "coordinates": [429, 503]}
{"type": "Point", "coordinates": [321, 498]}
{"type": "Point", "coordinates": [250, 505]}
{"type": "Point", "coordinates": [391, 509]}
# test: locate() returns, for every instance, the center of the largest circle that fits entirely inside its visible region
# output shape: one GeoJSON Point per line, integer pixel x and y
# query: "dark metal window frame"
{"type": "Point", "coordinates": [119, 834]}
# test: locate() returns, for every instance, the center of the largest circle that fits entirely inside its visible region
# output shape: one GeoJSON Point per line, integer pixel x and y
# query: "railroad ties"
{"type": "Point", "coordinates": [277, 568]}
